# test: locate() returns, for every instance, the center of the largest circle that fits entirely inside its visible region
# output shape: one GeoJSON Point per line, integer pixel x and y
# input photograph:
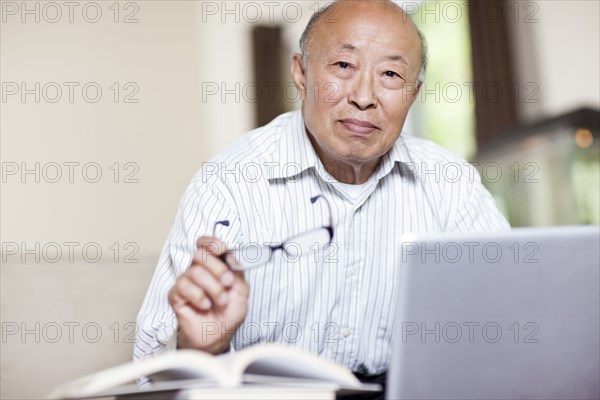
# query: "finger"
{"type": "Point", "coordinates": [230, 259]}
{"type": "Point", "coordinates": [185, 313]}
{"type": "Point", "coordinates": [213, 245]}
{"type": "Point", "coordinates": [175, 300]}
{"type": "Point", "coordinates": [183, 310]}
{"type": "Point", "coordinates": [216, 247]}
{"type": "Point", "coordinates": [240, 284]}
{"type": "Point", "coordinates": [210, 284]}
{"type": "Point", "coordinates": [215, 265]}
{"type": "Point", "coordinates": [189, 292]}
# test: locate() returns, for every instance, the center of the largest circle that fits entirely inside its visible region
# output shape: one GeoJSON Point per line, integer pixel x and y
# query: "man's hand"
{"type": "Point", "coordinates": [210, 300]}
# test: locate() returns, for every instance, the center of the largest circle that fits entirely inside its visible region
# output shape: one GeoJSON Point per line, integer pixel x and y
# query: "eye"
{"type": "Point", "coordinates": [342, 64]}
{"type": "Point", "coordinates": [392, 74]}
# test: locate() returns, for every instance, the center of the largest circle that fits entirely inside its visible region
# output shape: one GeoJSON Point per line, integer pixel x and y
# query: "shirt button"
{"type": "Point", "coordinates": [352, 271]}
{"type": "Point", "coordinates": [346, 333]}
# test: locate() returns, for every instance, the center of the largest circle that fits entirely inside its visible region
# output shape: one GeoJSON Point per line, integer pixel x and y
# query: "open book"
{"type": "Point", "coordinates": [264, 363]}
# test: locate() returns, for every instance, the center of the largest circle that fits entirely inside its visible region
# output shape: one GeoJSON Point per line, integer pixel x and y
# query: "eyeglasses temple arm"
{"type": "Point", "coordinates": [313, 201]}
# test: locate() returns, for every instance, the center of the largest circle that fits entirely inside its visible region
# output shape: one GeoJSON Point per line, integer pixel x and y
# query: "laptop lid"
{"type": "Point", "coordinates": [505, 315]}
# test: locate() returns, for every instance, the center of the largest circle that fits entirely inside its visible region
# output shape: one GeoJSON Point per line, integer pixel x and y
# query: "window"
{"type": "Point", "coordinates": [444, 111]}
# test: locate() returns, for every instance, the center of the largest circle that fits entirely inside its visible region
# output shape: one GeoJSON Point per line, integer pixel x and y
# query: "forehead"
{"type": "Point", "coordinates": [363, 27]}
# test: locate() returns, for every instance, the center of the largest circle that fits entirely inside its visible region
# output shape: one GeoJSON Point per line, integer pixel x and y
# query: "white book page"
{"type": "Point", "coordinates": [282, 361]}
{"type": "Point", "coordinates": [183, 364]}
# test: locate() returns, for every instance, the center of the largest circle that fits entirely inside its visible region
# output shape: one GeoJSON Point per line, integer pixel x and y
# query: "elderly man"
{"type": "Point", "coordinates": [332, 189]}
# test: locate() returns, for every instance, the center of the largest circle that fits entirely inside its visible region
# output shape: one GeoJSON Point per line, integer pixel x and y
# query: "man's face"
{"type": "Point", "coordinates": [359, 82]}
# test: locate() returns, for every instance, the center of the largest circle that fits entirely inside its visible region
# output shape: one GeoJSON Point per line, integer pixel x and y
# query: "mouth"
{"type": "Point", "coordinates": [359, 127]}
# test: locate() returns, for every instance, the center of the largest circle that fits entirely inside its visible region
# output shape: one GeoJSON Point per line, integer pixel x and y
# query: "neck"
{"type": "Point", "coordinates": [346, 171]}
{"type": "Point", "coordinates": [350, 173]}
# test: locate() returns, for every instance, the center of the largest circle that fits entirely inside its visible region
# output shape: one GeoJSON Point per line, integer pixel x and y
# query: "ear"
{"type": "Point", "coordinates": [298, 70]}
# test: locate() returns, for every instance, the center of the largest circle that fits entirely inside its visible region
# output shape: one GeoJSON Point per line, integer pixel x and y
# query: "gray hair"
{"type": "Point", "coordinates": [316, 17]}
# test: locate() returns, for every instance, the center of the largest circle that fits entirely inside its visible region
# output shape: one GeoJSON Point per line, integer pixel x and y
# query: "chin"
{"type": "Point", "coordinates": [356, 158]}
{"type": "Point", "coordinates": [362, 153]}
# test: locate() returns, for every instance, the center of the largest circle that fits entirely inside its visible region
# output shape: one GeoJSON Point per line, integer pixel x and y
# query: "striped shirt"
{"type": "Point", "coordinates": [338, 302]}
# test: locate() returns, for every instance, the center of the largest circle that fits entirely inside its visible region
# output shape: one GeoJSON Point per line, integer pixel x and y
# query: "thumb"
{"type": "Point", "coordinates": [212, 245]}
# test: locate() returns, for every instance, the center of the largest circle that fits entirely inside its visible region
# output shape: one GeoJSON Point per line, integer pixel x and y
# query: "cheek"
{"type": "Point", "coordinates": [333, 91]}
{"type": "Point", "coordinates": [395, 106]}
{"type": "Point", "coordinates": [324, 90]}
{"type": "Point", "coordinates": [319, 108]}
{"type": "Point", "coordinates": [394, 109]}
{"type": "Point", "coordinates": [398, 99]}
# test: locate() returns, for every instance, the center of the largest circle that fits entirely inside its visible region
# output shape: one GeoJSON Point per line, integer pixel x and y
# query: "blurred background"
{"type": "Point", "coordinates": [108, 108]}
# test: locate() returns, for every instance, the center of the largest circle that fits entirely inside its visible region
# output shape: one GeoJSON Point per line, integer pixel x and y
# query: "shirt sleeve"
{"type": "Point", "coordinates": [205, 202]}
{"type": "Point", "coordinates": [477, 211]}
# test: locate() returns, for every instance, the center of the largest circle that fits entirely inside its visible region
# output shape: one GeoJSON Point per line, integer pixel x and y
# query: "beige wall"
{"type": "Point", "coordinates": [60, 322]}
{"type": "Point", "coordinates": [170, 55]}
{"type": "Point", "coordinates": [163, 135]}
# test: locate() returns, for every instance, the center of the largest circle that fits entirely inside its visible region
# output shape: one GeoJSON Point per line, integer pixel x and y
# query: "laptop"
{"type": "Point", "coordinates": [511, 315]}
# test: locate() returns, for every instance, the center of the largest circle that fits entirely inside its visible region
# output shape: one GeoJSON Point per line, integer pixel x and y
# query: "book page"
{"type": "Point", "coordinates": [182, 364]}
{"type": "Point", "coordinates": [282, 361]}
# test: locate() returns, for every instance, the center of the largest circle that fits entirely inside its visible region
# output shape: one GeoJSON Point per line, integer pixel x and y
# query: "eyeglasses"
{"type": "Point", "coordinates": [255, 255]}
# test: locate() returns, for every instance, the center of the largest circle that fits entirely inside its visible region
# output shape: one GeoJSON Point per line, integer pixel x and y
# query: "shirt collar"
{"type": "Point", "coordinates": [297, 154]}
{"type": "Point", "coordinates": [398, 154]}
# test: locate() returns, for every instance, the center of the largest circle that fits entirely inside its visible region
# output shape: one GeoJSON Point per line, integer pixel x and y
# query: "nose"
{"type": "Point", "coordinates": [363, 95]}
